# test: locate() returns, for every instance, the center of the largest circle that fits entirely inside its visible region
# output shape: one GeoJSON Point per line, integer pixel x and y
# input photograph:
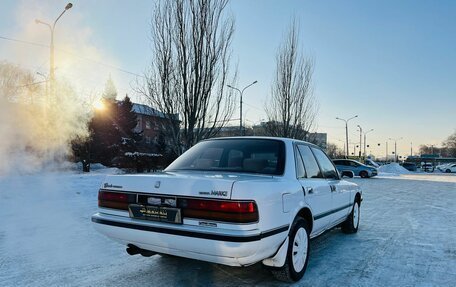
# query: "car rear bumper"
{"type": "Point", "coordinates": [229, 247]}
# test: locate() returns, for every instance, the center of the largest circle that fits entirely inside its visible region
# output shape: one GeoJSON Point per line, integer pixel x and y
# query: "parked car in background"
{"type": "Point", "coordinates": [441, 167]}
{"type": "Point", "coordinates": [356, 167]}
{"type": "Point", "coordinates": [446, 167]}
{"type": "Point", "coordinates": [427, 167]}
{"type": "Point", "coordinates": [450, 168]}
{"type": "Point", "coordinates": [370, 162]}
{"type": "Point", "coordinates": [410, 166]}
{"type": "Point", "coordinates": [233, 201]}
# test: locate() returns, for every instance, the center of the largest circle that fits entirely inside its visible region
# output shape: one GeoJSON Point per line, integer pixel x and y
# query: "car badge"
{"type": "Point", "coordinates": [106, 185]}
{"type": "Point", "coordinates": [157, 184]}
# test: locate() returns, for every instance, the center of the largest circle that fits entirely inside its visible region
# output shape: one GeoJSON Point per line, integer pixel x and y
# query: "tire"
{"type": "Point", "coordinates": [364, 174]}
{"type": "Point", "coordinates": [448, 171]}
{"type": "Point", "coordinates": [352, 223]}
{"type": "Point", "coordinates": [297, 254]}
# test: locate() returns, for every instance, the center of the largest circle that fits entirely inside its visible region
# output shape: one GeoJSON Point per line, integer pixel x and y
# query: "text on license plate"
{"type": "Point", "coordinates": [155, 213]}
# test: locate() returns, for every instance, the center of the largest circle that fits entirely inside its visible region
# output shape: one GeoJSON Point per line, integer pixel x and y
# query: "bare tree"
{"type": "Point", "coordinates": [292, 109]}
{"type": "Point", "coordinates": [190, 69]}
{"type": "Point", "coordinates": [450, 145]}
{"type": "Point", "coordinates": [334, 151]}
{"type": "Point", "coordinates": [17, 84]}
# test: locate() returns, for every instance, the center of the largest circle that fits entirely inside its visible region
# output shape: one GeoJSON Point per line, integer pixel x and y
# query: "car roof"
{"type": "Point", "coordinates": [286, 140]}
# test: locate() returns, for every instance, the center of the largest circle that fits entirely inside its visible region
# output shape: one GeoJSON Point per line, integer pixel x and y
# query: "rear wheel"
{"type": "Point", "coordinates": [364, 174]}
{"type": "Point", "coordinates": [448, 171]}
{"type": "Point", "coordinates": [297, 253]}
{"type": "Point", "coordinates": [351, 224]}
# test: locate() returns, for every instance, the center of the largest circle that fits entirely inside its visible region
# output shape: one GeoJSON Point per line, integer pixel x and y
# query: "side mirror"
{"type": "Point", "coordinates": [347, 173]}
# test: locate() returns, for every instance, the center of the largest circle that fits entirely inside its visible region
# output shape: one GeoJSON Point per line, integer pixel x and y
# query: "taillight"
{"type": "Point", "coordinates": [230, 211]}
{"type": "Point", "coordinates": [218, 210]}
{"type": "Point", "coordinates": [116, 200]}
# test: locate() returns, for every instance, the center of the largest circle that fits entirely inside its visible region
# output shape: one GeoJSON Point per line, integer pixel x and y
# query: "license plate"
{"type": "Point", "coordinates": [155, 213]}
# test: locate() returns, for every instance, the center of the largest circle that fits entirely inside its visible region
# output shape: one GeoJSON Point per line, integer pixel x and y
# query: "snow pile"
{"type": "Point", "coordinates": [392, 168]}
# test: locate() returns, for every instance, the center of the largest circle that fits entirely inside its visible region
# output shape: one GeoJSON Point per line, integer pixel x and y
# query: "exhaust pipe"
{"type": "Point", "coordinates": [133, 250]}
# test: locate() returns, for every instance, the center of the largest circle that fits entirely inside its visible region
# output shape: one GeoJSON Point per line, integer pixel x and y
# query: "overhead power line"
{"type": "Point", "coordinates": [31, 84]}
{"type": "Point", "coordinates": [252, 106]}
{"type": "Point", "coordinates": [70, 53]}
{"type": "Point", "coordinates": [25, 42]}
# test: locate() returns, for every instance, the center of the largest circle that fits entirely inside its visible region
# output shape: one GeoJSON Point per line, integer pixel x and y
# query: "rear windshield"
{"type": "Point", "coordinates": [261, 156]}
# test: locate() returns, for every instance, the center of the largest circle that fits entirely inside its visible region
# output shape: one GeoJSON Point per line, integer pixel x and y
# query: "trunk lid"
{"type": "Point", "coordinates": [207, 185]}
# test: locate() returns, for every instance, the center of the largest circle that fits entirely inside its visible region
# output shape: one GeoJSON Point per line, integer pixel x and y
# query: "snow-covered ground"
{"type": "Point", "coordinates": [407, 238]}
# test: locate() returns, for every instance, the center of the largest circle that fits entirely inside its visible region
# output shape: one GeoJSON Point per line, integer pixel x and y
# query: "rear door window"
{"type": "Point", "coordinates": [310, 164]}
{"type": "Point", "coordinates": [325, 163]}
{"type": "Point", "coordinates": [300, 170]}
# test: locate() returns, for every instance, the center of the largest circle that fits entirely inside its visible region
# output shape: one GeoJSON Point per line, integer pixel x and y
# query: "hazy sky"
{"type": "Point", "coordinates": [393, 63]}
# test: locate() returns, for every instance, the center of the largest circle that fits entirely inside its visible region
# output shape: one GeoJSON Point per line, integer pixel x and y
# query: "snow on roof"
{"type": "Point", "coordinates": [146, 110]}
{"type": "Point", "coordinates": [149, 111]}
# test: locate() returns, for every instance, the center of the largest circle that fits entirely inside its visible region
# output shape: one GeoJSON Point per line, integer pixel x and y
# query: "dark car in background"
{"type": "Point", "coordinates": [410, 166]}
{"type": "Point", "coordinates": [359, 169]}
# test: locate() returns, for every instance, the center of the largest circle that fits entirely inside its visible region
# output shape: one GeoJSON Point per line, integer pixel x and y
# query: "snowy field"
{"type": "Point", "coordinates": [407, 237]}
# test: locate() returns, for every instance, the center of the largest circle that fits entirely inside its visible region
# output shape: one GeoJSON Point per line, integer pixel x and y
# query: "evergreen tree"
{"type": "Point", "coordinates": [110, 91]}
{"type": "Point", "coordinates": [105, 136]}
{"type": "Point", "coordinates": [126, 122]}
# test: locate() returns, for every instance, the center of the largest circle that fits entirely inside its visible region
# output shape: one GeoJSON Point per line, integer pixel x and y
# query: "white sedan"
{"type": "Point", "coordinates": [234, 201]}
{"type": "Point", "coordinates": [449, 168]}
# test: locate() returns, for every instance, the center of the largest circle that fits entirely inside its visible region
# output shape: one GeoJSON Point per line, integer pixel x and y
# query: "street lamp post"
{"type": "Point", "coordinates": [395, 147]}
{"type": "Point", "coordinates": [46, 81]}
{"type": "Point", "coordinates": [241, 92]}
{"type": "Point", "coordinates": [386, 158]}
{"type": "Point", "coordinates": [360, 140]}
{"type": "Point", "coordinates": [51, 64]}
{"type": "Point", "coordinates": [365, 141]}
{"type": "Point", "coordinates": [346, 129]}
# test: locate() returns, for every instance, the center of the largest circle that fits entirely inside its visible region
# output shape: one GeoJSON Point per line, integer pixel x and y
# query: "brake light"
{"type": "Point", "coordinates": [116, 200]}
{"type": "Point", "coordinates": [225, 206]}
{"type": "Point", "coordinates": [230, 211]}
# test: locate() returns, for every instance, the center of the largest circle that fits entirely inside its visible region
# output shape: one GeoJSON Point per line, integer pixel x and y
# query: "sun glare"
{"type": "Point", "coordinates": [99, 105]}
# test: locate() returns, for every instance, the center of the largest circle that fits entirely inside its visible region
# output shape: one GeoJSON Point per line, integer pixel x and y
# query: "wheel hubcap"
{"type": "Point", "coordinates": [299, 254]}
{"type": "Point", "coordinates": [356, 215]}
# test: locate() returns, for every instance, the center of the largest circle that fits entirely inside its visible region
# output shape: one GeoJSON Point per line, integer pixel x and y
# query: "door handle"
{"type": "Point", "coordinates": [333, 188]}
{"type": "Point", "coordinates": [307, 190]}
